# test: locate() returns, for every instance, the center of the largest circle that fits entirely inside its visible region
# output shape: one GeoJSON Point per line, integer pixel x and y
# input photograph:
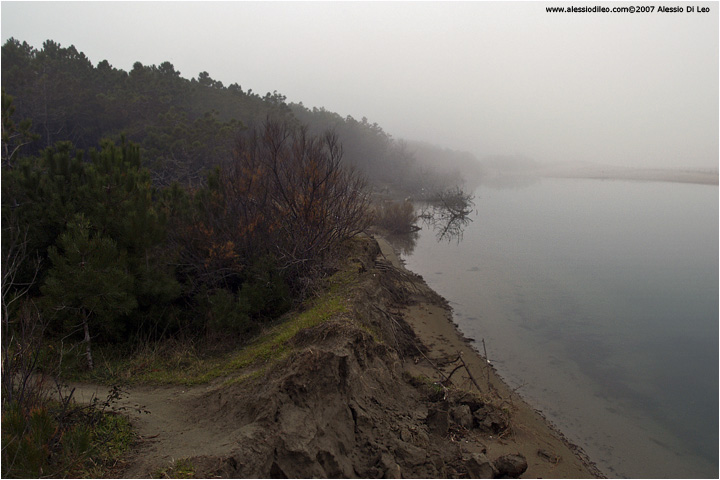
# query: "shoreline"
{"type": "Point", "coordinates": [534, 435]}
{"type": "Point", "coordinates": [601, 172]}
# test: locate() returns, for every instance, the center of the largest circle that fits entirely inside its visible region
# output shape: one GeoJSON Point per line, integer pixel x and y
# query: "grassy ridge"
{"type": "Point", "coordinates": [177, 363]}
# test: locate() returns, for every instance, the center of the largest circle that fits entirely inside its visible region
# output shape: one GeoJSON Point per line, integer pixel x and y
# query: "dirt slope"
{"type": "Point", "coordinates": [351, 403]}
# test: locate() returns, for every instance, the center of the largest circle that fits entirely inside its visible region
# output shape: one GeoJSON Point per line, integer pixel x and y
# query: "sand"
{"type": "Point", "coordinates": [532, 435]}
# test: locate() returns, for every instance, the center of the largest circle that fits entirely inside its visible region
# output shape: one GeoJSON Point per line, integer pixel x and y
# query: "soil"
{"type": "Point", "coordinates": [388, 390]}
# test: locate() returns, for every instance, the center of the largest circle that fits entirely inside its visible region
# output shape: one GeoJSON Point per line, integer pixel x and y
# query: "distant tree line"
{"type": "Point", "coordinates": [186, 127]}
{"type": "Point", "coordinates": [414, 168]}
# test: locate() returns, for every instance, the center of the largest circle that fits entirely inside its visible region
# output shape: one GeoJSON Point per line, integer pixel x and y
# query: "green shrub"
{"type": "Point", "coordinates": [265, 293]}
{"type": "Point", "coordinates": [57, 440]}
{"type": "Point", "coordinates": [33, 445]}
{"type": "Point", "coordinates": [26, 442]}
{"type": "Point", "coordinates": [226, 313]}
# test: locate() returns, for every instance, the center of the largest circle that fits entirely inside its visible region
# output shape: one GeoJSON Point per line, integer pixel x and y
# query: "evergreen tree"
{"type": "Point", "coordinates": [114, 195]}
{"type": "Point", "coordinates": [88, 284]}
{"type": "Point", "coordinates": [14, 136]}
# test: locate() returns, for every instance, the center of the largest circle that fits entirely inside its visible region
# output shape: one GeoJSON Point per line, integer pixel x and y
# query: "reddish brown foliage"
{"type": "Point", "coordinates": [286, 194]}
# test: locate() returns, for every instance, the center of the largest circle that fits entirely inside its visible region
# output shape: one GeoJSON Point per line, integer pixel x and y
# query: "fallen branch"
{"type": "Point", "coordinates": [469, 374]}
{"type": "Point", "coordinates": [462, 365]}
{"type": "Point", "coordinates": [393, 322]}
{"type": "Point", "coordinates": [432, 364]}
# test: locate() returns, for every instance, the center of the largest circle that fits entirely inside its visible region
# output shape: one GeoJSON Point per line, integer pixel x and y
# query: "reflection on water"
{"type": "Point", "coordinates": [448, 215]}
{"type": "Point", "coordinates": [447, 218]}
{"type": "Point", "coordinates": [601, 298]}
{"type": "Point", "coordinates": [404, 243]}
{"type": "Point", "coordinates": [447, 227]}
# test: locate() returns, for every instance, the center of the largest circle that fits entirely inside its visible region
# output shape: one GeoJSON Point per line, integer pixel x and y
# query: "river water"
{"type": "Point", "coordinates": [598, 301]}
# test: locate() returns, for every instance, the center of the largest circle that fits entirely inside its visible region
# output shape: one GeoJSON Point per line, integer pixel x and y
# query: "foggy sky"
{"type": "Point", "coordinates": [487, 77]}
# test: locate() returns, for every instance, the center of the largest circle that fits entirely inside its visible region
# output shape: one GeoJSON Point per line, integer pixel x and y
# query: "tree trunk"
{"type": "Point", "coordinates": [88, 353]}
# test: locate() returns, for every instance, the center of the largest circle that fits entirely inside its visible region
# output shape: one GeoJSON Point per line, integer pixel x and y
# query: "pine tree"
{"type": "Point", "coordinates": [88, 284]}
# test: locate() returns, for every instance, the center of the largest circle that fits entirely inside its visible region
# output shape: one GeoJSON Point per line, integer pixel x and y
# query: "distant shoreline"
{"type": "Point", "coordinates": [597, 172]}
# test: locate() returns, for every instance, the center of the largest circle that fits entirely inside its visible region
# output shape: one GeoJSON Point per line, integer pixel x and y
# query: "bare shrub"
{"type": "Point", "coordinates": [295, 184]}
{"type": "Point", "coordinates": [286, 194]}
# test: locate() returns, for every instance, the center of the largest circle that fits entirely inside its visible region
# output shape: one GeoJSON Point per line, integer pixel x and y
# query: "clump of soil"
{"type": "Point", "coordinates": [340, 407]}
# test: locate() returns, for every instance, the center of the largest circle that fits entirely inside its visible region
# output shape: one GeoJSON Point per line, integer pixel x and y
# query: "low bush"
{"type": "Point", "coordinates": [58, 439]}
{"type": "Point", "coordinates": [44, 432]}
{"type": "Point", "coordinates": [396, 217]}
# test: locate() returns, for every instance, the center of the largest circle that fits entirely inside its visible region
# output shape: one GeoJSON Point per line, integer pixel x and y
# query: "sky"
{"type": "Point", "coordinates": [491, 78]}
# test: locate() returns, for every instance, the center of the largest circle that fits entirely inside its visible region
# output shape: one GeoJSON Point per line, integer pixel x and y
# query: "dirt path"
{"type": "Point", "coordinates": [167, 423]}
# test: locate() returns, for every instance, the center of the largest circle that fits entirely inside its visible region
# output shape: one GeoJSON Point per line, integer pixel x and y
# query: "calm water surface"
{"type": "Point", "coordinates": [598, 300]}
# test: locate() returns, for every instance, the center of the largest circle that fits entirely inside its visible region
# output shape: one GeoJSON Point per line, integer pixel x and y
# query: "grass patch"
{"type": "Point", "coordinates": [173, 362]}
{"type": "Point", "coordinates": [182, 468]}
{"type": "Point", "coordinates": [268, 347]}
{"type": "Point", "coordinates": [50, 441]}
{"type": "Point", "coordinates": [113, 437]}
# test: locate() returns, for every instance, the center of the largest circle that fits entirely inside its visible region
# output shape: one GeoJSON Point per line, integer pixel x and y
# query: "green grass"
{"type": "Point", "coordinates": [178, 363]}
{"type": "Point", "coordinates": [36, 444]}
{"type": "Point", "coordinates": [269, 347]}
{"type": "Point", "coordinates": [182, 468]}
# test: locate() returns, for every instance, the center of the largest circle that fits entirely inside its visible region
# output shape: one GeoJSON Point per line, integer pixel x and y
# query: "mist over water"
{"type": "Point", "coordinates": [599, 301]}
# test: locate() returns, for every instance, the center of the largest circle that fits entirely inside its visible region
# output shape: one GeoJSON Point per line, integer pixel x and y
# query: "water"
{"type": "Point", "coordinates": [598, 300]}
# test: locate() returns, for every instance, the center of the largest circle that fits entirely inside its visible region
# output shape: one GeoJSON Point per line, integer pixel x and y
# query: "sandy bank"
{"type": "Point", "coordinates": [548, 453]}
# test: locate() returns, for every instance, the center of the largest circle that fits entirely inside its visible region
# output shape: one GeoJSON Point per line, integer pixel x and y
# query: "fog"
{"type": "Point", "coordinates": [492, 78]}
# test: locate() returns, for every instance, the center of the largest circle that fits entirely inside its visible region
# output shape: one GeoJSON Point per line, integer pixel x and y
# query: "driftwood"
{"type": "Point", "coordinates": [464, 365]}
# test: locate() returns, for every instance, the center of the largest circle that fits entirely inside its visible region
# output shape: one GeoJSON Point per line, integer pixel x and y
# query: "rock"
{"type": "Point", "coordinates": [550, 457]}
{"type": "Point", "coordinates": [478, 466]}
{"type": "Point", "coordinates": [479, 415]}
{"type": "Point", "coordinates": [462, 416]}
{"type": "Point", "coordinates": [438, 421]}
{"type": "Point", "coordinates": [437, 461]}
{"type": "Point", "coordinates": [393, 471]}
{"type": "Point", "coordinates": [489, 420]}
{"type": "Point", "coordinates": [409, 454]}
{"type": "Point", "coordinates": [511, 466]}
{"type": "Point", "coordinates": [389, 466]}
{"type": "Point", "coordinates": [421, 439]}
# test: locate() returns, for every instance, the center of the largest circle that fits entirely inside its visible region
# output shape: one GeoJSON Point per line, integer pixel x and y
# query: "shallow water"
{"type": "Point", "coordinates": [598, 301]}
